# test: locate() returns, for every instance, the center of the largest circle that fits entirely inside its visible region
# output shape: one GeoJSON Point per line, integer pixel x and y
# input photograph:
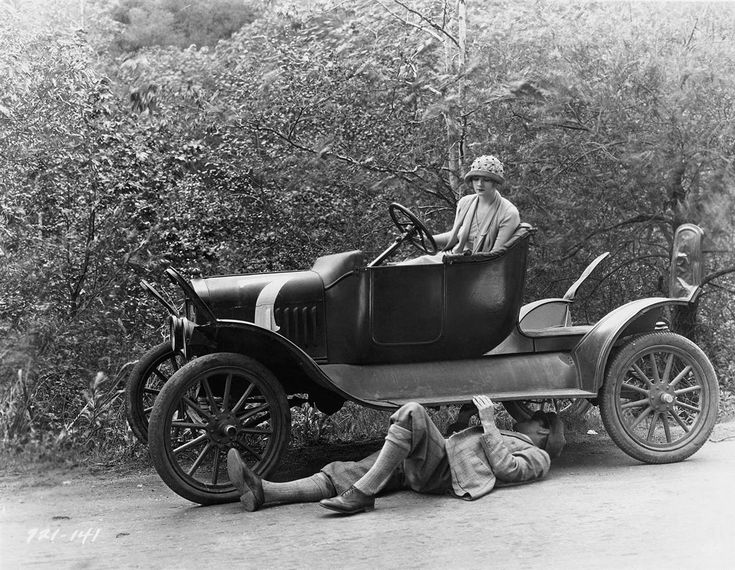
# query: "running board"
{"type": "Point", "coordinates": [499, 397]}
{"type": "Point", "coordinates": [503, 377]}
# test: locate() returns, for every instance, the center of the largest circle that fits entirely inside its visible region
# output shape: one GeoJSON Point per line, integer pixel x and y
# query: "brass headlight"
{"type": "Point", "coordinates": [180, 330]}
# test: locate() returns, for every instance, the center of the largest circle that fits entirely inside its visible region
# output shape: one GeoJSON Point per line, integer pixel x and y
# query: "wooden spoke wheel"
{"type": "Point", "coordinates": [660, 397]}
{"type": "Point", "coordinates": [146, 379]}
{"type": "Point", "coordinates": [216, 402]}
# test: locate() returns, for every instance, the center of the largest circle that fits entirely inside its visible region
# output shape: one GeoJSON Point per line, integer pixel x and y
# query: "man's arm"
{"type": "Point", "coordinates": [523, 465]}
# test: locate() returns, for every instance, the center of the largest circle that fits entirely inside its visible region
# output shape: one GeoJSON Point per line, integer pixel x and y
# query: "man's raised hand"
{"type": "Point", "coordinates": [485, 410]}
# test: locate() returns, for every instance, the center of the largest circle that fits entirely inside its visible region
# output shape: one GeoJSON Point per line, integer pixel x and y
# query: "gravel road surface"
{"type": "Point", "coordinates": [597, 509]}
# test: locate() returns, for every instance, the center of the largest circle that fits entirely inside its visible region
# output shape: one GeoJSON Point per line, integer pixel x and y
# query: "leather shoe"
{"type": "Point", "coordinates": [351, 502]}
{"type": "Point", "coordinates": [247, 482]}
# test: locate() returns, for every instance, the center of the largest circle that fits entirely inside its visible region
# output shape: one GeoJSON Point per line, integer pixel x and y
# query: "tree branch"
{"type": "Point", "coordinates": [618, 267]}
{"type": "Point", "coordinates": [639, 219]}
{"type": "Point", "coordinates": [717, 274]}
{"type": "Point", "coordinates": [438, 36]}
{"type": "Point", "coordinates": [576, 159]}
{"type": "Point", "coordinates": [568, 125]}
{"type": "Point", "coordinates": [324, 153]}
{"type": "Point", "coordinates": [721, 288]}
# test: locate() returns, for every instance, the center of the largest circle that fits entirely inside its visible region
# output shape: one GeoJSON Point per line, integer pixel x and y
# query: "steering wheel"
{"type": "Point", "coordinates": [412, 228]}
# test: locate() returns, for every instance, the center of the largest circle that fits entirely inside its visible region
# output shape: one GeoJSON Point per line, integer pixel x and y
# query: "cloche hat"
{"type": "Point", "coordinates": [487, 166]}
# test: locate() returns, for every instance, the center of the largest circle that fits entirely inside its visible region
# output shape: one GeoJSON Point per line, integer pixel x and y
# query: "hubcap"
{"type": "Point", "coordinates": [661, 398]}
{"type": "Point", "coordinates": [223, 428]}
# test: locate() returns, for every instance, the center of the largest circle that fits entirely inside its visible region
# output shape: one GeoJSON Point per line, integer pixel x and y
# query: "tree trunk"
{"type": "Point", "coordinates": [684, 320]}
{"type": "Point", "coordinates": [453, 116]}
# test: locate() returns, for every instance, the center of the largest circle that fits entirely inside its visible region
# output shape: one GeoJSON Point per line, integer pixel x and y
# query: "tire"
{"type": "Point", "coordinates": [521, 410]}
{"type": "Point", "coordinates": [660, 397]}
{"type": "Point", "coordinates": [213, 403]}
{"type": "Point", "coordinates": [147, 378]}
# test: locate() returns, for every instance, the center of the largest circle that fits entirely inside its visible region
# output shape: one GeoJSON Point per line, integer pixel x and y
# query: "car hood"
{"type": "Point", "coordinates": [260, 298]}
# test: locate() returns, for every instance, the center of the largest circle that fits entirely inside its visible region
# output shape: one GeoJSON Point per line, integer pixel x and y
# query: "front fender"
{"type": "Point", "coordinates": [293, 367]}
{"type": "Point", "coordinates": [593, 351]}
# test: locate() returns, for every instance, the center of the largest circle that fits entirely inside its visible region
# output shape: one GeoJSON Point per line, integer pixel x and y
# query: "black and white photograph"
{"type": "Point", "coordinates": [367, 284]}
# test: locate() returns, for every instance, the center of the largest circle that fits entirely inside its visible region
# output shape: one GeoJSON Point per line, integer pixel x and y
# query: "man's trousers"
{"type": "Point", "coordinates": [425, 468]}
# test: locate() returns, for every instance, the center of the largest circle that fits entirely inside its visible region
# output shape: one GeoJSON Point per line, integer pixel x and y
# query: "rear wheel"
{"type": "Point", "coordinates": [660, 397]}
{"type": "Point", "coordinates": [214, 403]}
{"type": "Point", "coordinates": [147, 378]}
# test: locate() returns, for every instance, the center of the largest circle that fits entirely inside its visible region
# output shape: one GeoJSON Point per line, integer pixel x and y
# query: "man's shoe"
{"type": "Point", "coordinates": [351, 502]}
{"type": "Point", "coordinates": [247, 482]}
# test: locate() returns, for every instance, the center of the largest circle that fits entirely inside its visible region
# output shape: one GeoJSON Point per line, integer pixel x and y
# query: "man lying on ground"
{"type": "Point", "coordinates": [416, 456]}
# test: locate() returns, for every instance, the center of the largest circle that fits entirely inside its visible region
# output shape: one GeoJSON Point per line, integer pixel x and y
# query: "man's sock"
{"type": "Point", "coordinates": [395, 449]}
{"type": "Point", "coordinates": [307, 490]}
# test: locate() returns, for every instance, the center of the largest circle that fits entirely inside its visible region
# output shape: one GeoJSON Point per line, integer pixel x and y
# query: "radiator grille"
{"type": "Point", "coordinates": [298, 324]}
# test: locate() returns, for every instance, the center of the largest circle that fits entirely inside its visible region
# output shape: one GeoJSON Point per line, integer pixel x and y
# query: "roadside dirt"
{"type": "Point", "coordinates": [597, 508]}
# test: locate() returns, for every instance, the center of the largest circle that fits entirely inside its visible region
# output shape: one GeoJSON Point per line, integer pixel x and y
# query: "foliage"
{"type": "Point", "coordinates": [287, 138]}
{"type": "Point", "coordinates": [147, 23]}
{"type": "Point", "coordinates": [636, 131]}
{"type": "Point", "coordinates": [355, 423]}
{"type": "Point", "coordinates": [96, 420]}
{"type": "Point", "coordinates": [15, 418]}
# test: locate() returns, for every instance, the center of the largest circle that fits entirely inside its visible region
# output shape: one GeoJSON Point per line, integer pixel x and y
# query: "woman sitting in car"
{"type": "Point", "coordinates": [485, 220]}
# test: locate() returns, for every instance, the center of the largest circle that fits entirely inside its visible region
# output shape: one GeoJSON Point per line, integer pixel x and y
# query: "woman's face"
{"type": "Point", "coordinates": [482, 185]}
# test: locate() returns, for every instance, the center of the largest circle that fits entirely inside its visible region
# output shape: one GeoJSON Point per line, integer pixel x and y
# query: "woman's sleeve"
{"type": "Point", "coordinates": [508, 225]}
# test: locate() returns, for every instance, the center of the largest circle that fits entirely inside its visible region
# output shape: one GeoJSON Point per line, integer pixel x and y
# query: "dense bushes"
{"type": "Point", "coordinates": [149, 23]}
{"type": "Point", "coordinates": [288, 139]}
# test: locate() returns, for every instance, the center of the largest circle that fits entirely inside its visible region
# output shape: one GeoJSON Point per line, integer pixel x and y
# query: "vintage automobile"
{"type": "Point", "coordinates": [247, 348]}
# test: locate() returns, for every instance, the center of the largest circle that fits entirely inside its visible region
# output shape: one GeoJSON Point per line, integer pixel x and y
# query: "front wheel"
{"type": "Point", "coordinates": [660, 397]}
{"type": "Point", "coordinates": [149, 375]}
{"type": "Point", "coordinates": [216, 402]}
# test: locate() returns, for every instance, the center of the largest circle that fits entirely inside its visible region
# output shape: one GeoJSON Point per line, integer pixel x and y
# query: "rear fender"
{"type": "Point", "coordinates": [592, 352]}
{"type": "Point", "coordinates": [294, 368]}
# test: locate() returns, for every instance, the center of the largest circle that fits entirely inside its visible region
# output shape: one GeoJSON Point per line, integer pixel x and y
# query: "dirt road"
{"type": "Point", "coordinates": [597, 509]}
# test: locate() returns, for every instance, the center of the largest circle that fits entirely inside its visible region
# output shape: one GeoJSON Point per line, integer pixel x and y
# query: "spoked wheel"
{"type": "Point", "coordinates": [147, 378]}
{"type": "Point", "coordinates": [521, 410]}
{"type": "Point", "coordinates": [660, 396]}
{"type": "Point", "coordinates": [214, 403]}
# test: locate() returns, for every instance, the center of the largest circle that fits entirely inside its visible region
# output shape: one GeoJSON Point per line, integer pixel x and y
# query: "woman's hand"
{"type": "Point", "coordinates": [486, 411]}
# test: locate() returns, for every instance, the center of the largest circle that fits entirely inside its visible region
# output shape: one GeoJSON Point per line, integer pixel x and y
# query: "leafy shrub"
{"type": "Point", "coordinates": [149, 23]}
{"type": "Point", "coordinates": [288, 139]}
